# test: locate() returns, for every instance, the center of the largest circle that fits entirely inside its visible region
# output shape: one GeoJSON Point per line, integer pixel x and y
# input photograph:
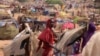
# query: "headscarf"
{"type": "Point", "coordinates": [89, 33]}
{"type": "Point", "coordinates": [47, 35]}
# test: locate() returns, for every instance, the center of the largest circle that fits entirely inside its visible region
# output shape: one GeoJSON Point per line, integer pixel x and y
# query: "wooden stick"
{"type": "Point", "coordinates": [30, 40]}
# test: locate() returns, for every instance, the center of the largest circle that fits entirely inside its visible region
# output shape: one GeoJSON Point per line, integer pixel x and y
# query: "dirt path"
{"type": "Point", "coordinates": [4, 43]}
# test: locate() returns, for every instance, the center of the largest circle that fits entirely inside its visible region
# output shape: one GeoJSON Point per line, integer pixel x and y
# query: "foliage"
{"type": "Point", "coordinates": [53, 1]}
{"type": "Point", "coordinates": [22, 0]}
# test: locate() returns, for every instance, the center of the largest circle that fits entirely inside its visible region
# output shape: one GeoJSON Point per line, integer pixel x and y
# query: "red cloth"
{"type": "Point", "coordinates": [47, 37]}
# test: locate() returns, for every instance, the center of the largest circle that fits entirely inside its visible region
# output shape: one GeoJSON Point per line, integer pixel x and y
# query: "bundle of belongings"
{"type": "Point", "coordinates": [7, 29]}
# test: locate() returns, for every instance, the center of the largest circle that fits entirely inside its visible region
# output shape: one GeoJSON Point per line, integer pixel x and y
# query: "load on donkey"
{"type": "Point", "coordinates": [8, 25]}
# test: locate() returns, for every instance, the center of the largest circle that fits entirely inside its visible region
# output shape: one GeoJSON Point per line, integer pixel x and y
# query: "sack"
{"type": "Point", "coordinates": [8, 32]}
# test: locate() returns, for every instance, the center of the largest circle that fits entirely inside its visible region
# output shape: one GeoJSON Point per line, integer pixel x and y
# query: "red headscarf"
{"type": "Point", "coordinates": [47, 35]}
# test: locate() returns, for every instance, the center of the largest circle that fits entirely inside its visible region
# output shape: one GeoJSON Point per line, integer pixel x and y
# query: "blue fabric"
{"type": "Point", "coordinates": [45, 12]}
{"type": "Point", "coordinates": [76, 46]}
{"type": "Point", "coordinates": [2, 23]}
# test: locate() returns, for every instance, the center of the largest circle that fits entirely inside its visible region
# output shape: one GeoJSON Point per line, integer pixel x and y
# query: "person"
{"type": "Point", "coordinates": [25, 42]}
{"type": "Point", "coordinates": [21, 23]}
{"type": "Point", "coordinates": [88, 34]}
{"type": "Point", "coordinates": [47, 38]}
{"type": "Point", "coordinates": [92, 46]}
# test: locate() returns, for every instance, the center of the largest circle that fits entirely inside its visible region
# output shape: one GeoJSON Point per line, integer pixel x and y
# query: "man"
{"type": "Point", "coordinates": [47, 38]}
{"type": "Point", "coordinates": [25, 42]}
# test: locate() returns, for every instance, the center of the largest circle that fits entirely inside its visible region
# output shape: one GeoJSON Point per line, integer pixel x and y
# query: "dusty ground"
{"type": "Point", "coordinates": [4, 43]}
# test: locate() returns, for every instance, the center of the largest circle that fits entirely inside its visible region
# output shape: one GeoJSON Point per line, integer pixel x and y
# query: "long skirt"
{"type": "Point", "coordinates": [48, 52]}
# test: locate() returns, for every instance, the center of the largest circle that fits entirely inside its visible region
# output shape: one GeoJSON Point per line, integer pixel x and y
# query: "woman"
{"type": "Point", "coordinates": [47, 38]}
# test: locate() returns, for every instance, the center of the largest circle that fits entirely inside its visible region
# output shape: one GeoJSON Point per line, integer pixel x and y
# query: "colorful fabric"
{"type": "Point", "coordinates": [68, 25]}
{"type": "Point", "coordinates": [76, 46]}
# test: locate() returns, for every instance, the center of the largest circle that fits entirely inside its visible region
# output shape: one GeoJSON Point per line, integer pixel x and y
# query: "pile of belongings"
{"type": "Point", "coordinates": [7, 30]}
